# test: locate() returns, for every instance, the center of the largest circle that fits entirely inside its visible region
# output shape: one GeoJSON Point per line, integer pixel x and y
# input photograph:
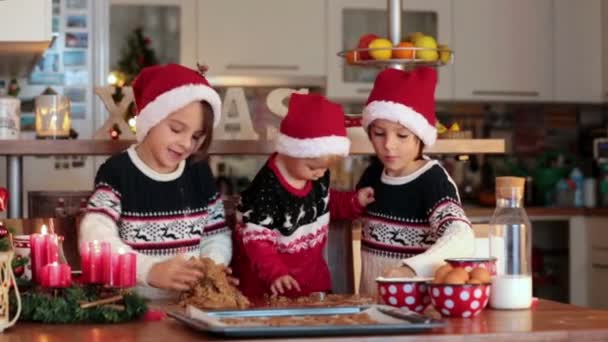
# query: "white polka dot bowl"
{"type": "Point", "coordinates": [470, 263]}
{"type": "Point", "coordinates": [466, 300]}
{"type": "Point", "coordinates": [409, 293]}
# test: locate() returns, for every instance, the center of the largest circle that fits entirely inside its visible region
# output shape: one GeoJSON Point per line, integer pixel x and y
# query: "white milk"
{"type": "Point", "coordinates": [511, 292]}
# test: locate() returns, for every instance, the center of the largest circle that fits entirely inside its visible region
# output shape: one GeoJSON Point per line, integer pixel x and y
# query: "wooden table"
{"type": "Point", "coordinates": [550, 321]}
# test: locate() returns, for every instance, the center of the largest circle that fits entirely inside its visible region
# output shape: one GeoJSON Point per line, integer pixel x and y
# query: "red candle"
{"type": "Point", "coordinates": [96, 261]}
{"type": "Point", "coordinates": [85, 262]}
{"type": "Point", "coordinates": [44, 250]}
{"type": "Point", "coordinates": [56, 275]}
{"type": "Point", "coordinates": [123, 269]}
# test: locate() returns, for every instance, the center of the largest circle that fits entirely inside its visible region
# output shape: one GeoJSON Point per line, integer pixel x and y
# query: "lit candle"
{"type": "Point", "coordinates": [123, 269]}
{"type": "Point", "coordinates": [56, 275]}
{"type": "Point", "coordinates": [44, 250]}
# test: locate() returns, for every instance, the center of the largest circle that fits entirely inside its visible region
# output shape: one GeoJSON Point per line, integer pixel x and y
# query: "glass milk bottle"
{"type": "Point", "coordinates": [511, 244]}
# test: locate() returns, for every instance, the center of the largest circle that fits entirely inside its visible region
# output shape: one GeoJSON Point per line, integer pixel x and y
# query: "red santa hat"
{"type": "Point", "coordinates": [314, 127]}
{"type": "Point", "coordinates": [407, 98]}
{"type": "Point", "coordinates": [162, 89]}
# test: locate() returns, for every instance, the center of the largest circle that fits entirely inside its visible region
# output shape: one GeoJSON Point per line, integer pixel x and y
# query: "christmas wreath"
{"type": "Point", "coordinates": [79, 304]}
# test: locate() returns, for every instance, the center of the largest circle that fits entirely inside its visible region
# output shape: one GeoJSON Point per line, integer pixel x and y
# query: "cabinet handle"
{"type": "Point", "coordinates": [601, 266]}
{"type": "Point", "coordinates": [506, 93]}
{"type": "Point", "coordinates": [363, 90]}
{"type": "Point", "coordinates": [261, 67]}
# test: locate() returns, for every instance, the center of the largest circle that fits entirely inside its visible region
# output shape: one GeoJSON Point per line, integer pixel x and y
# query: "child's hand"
{"type": "Point", "coordinates": [365, 196]}
{"type": "Point", "coordinates": [234, 281]}
{"type": "Point", "coordinates": [283, 284]}
{"type": "Point", "coordinates": [178, 273]}
{"type": "Point", "coordinates": [399, 272]}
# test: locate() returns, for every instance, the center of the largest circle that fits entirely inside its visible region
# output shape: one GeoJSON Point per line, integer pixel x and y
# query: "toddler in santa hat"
{"type": "Point", "coordinates": [284, 214]}
{"type": "Point", "coordinates": [417, 219]}
{"type": "Point", "coordinates": [156, 198]}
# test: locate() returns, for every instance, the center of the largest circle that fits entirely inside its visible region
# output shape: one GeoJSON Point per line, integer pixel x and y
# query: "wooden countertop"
{"type": "Point", "coordinates": [540, 211]}
{"type": "Point", "coordinates": [550, 321]}
{"type": "Point", "coordinates": [360, 146]}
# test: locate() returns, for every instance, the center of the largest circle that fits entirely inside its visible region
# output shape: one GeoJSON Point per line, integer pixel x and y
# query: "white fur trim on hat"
{"type": "Point", "coordinates": [401, 114]}
{"type": "Point", "coordinates": [312, 147]}
{"type": "Point", "coordinates": [172, 100]}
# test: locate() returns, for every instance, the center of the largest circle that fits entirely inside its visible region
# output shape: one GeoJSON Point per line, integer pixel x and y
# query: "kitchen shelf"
{"type": "Point", "coordinates": [17, 59]}
{"type": "Point", "coordinates": [360, 146]}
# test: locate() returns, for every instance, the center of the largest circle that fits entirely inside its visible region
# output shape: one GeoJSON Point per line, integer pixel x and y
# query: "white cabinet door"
{"type": "Point", "coordinates": [262, 37]}
{"type": "Point", "coordinates": [25, 20]}
{"type": "Point", "coordinates": [350, 19]}
{"type": "Point", "coordinates": [578, 51]}
{"type": "Point", "coordinates": [170, 25]}
{"type": "Point", "coordinates": [503, 50]}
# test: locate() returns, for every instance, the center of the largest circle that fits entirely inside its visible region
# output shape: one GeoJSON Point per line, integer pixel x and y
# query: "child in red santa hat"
{"type": "Point", "coordinates": [155, 198]}
{"type": "Point", "coordinates": [417, 219]}
{"type": "Point", "coordinates": [284, 214]}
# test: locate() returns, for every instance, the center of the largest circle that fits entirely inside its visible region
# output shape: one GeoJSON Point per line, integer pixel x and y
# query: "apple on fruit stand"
{"type": "Point", "coordinates": [364, 42]}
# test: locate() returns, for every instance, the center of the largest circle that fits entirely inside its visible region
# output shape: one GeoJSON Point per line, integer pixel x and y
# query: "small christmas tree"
{"type": "Point", "coordinates": [136, 55]}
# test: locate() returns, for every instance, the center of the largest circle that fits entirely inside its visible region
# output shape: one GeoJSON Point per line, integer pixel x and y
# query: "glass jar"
{"type": "Point", "coordinates": [511, 244]}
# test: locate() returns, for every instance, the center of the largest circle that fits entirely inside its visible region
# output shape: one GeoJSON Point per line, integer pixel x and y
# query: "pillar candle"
{"type": "Point", "coordinates": [96, 267]}
{"type": "Point", "coordinates": [123, 269]}
{"type": "Point", "coordinates": [44, 250]}
{"type": "Point", "coordinates": [56, 275]}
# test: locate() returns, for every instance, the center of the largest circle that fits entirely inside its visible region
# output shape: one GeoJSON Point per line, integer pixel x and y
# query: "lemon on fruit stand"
{"type": "Point", "coordinates": [384, 49]}
{"type": "Point", "coordinates": [413, 37]}
{"type": "Point", "coordinates": [426, 42]}
{"type": "Point", "coordinates": [440, 128]}
{"type": "Point", "coordinates": [445, 54]}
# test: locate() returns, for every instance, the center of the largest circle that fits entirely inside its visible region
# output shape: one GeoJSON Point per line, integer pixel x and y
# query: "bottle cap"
{"type": "Point", "coordinates": [510, 187]}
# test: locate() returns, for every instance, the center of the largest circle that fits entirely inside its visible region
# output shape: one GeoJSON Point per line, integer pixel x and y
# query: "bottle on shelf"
{"type": "Point", "coordinates": [511, 244]}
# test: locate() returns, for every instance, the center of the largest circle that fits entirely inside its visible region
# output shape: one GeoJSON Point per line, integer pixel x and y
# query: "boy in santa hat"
{"type": "Point", "coordinates": [417, 219]}
{"type": "Point", "coordinates": [284, 214]}
{"type": "Point", "coordinates": [155, 198]}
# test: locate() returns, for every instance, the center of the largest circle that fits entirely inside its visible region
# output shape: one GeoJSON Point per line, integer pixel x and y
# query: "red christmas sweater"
{"type": "Point", "coordinates": [283, 231]}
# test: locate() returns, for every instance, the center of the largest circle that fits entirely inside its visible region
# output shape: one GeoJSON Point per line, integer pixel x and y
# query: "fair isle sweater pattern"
{"type": "Point", "coordinates": [411, 213]}
{"type": "Point", "coordinates": [159, 218]}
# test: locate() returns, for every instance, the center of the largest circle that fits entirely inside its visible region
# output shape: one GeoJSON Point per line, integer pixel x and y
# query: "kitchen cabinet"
{"type": "Point", "coordinates": [25, 32]}
{"type": "Point", "coordinates": [504, 50]}
{"type": "Point", "coordinates": [581, 50]}
{"type": "Point", "coordinates": [350, 19]}
{"type": "Point", "coordinates": [169, 24]}
{"type": "Point", "coordinates": [25, 20]}
{"type": "Point", "coordinates": [262, 37]}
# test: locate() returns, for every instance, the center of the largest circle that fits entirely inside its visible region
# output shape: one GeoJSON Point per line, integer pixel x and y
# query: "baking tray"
{"type": "Point", "coordinates": [390, 321]}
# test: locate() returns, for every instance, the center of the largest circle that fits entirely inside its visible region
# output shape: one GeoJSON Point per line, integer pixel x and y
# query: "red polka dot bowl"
{"type": "Point", "coordinates": [405, 293]}
{"type": "Point", "coordinates": [470, 263]}
{"type": "Point", "coordinates": [464, 301]}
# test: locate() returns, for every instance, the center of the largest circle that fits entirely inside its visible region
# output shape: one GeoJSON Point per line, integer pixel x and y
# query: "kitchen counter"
{"type": "Point", "coordinates": [475, 211]}
{"type": "Point", "coordinates": [550, 321]}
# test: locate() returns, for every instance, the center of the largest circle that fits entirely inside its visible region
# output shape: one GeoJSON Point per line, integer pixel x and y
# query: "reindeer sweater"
{"type": "Point", "coordinates": [416, 220]}
{"type": "Point", "coordinates": [157, 215]}
{"type": "Point", "coordinates": [283, 231]}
